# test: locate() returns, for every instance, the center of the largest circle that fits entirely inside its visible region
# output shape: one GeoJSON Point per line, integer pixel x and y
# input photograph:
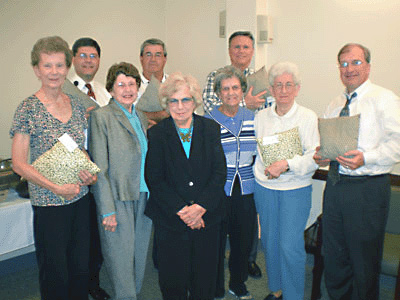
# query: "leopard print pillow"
{"type": "Point", "coordinates": [287, 144]}
{"type": "Point", "coordinates": [61, 166]}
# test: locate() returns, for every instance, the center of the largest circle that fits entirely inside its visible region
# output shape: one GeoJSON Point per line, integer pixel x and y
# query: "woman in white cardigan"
{"type": "Point", "coordinates": [283, 188]}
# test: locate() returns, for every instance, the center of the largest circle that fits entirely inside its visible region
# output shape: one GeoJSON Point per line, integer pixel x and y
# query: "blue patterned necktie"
{"type": "Point", "coordinates": [333, 173]}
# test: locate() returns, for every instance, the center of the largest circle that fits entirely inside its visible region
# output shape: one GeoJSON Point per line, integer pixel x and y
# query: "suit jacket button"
{"type": "Point", "coordinates": [190, 183]}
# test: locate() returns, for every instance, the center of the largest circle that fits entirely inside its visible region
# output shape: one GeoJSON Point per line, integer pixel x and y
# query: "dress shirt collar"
{"type": "Point", "coordinates": [146, 81]}
{"type": "Point", "coordinates": [361, 90]}
{"type": "Point", "coordinates": [224, 118]}
{"type": "Point", "coordinates": [246, 71]}
{"type": "Point", "coordinates": [80, 83]}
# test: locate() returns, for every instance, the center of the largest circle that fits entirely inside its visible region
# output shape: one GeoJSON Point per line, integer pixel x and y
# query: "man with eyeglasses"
{"type": "Point", "coordinates": [356, 199]}
{"type": "Point", "coordinates": [86, 61]}
{"type": "Point", "coordinates": [153, 57]}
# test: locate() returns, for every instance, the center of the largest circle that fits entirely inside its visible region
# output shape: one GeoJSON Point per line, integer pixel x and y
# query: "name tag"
{"type": "Point", "coordinates": [68, 142]}
{"type": "Point", "coordinates": [268, 140]}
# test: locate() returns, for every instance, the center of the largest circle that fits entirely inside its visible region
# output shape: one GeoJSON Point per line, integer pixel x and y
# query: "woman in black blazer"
{"type": "Point", "coordinates": [185, 173]}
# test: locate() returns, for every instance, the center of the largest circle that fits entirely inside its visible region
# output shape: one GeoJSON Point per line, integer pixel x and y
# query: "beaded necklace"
{"type": "Point", "coordinates": [185, 134]}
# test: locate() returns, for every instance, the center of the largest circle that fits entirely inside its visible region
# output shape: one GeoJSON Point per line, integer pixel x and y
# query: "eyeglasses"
{"type": "Point", "coordinates": [184, 101]}
{"type": "Point", "coordinates": [288, 85]}
{"type": "Point", "coordinates": [157, 54]}
{"type": "Point", "coordinates": [345, 64]}
{"type": "Point", "coordinates": [91, 55]}
{"type": "Point", "coordinates": [234, 88]}
{"type": "Point", "coordinates": [124, 85]}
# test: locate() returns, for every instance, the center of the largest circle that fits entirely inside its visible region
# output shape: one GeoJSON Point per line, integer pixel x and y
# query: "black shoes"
{"type": "Point", "coordinates": [99, 294]}
{"type": "Point", "coordinates": [272, 297]}
{"type": "Point", "coordinates": [254, 270]}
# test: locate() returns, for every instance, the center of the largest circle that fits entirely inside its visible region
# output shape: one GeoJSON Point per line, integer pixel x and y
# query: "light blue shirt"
{"type": "Point", "coordinates": [137, 126]}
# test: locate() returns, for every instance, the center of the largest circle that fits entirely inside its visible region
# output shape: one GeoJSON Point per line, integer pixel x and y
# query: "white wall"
{"type": "Point", "coordinates": [311, 32]}
{"type": "Point", "coordinates": [308, 32]}
{"type": "Point", "coordinates": [119, 26]}
{"type": "Point", "coordinates": [192, 37]}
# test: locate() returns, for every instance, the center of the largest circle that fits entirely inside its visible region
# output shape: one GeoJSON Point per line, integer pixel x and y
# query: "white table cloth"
{"type": "Point", "coordinates": [16, 225]}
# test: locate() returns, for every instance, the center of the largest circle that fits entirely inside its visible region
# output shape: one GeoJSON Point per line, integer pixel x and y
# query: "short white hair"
{"type": "Point", "coordinates": [281, 68]}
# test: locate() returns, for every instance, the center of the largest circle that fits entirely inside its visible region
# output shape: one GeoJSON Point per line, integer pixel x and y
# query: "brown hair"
{"type": "Point", "coordinates": [122, 68]}
{"type": "Point", "coordinates": [48, 45]}
{"type": "Point", "coordinates": [347, 47]}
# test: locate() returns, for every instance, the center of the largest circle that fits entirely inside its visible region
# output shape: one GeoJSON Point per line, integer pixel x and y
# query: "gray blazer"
{"type": "Point", "coordinates": [115, 148]}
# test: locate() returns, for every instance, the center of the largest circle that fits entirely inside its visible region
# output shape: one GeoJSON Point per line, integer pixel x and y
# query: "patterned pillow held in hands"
{"type": "Point", "coordinates": [283, 145]}
{"type": "Point", "coordinates": [61, 166]}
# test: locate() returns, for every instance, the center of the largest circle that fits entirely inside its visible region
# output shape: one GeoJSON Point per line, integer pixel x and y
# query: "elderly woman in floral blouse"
{"type": "Point", "coordinates": [61, 227]}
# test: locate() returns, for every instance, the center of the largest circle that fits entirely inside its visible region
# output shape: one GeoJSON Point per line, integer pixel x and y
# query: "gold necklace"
{"type": "Point", "coordinates": [185, 137]}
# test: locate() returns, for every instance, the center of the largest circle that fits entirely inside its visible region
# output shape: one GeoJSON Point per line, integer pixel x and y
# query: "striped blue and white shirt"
{"type": "Point", "coordinates": [239, 144]}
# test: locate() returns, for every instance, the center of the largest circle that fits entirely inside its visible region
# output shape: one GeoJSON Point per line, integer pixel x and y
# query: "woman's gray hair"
{"type": "Point", "coordinates": [281, 68]}
{"type": "Point", "coordinates": [229, 72]}
{"type": "Point", "coordinates": [174, 83]}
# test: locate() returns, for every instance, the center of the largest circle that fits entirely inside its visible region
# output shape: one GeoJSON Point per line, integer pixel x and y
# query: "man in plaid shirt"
{"type": "Point", "coordinates": [241, 50]}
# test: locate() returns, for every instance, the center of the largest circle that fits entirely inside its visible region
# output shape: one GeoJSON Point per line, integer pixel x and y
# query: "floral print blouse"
{"type": "Point", "coordinates": [33, 119]}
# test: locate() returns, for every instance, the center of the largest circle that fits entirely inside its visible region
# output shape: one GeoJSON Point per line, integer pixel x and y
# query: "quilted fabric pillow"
{"type": "Point", "coordinates": [149, 101]}
{"type": "Point", "coordinates": [283, 145]}
{"type": "Point", "coordinates": [338, 135]}
{"type": "Point", "coordinates": [61, 166]}
{"type": "Point", "coordinates": [259, 81]}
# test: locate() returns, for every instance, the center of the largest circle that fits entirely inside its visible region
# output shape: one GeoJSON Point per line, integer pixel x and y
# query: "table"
{"type": "Point", "coordinates": [16, 226]}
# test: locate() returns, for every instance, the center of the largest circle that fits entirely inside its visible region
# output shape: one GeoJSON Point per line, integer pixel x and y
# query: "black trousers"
{"type": "Point", "coordinates": [62, 237]}
{"type": "Point", "coordinates": [95, 255]}
{"type": "Point", "coordinates": [355, 212]}
{"type": "Point", "coordinates": [187, 262]}
{"type": "Point", "coordinates": [254, 245]}
{"type": "Point", "coordinates": [240, 225]}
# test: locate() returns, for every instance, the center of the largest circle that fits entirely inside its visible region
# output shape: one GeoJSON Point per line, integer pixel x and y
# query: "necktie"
{"type": "Point", "coordinates": [333, 173]}
{"type": "Point", "coordinates": [90, 90]}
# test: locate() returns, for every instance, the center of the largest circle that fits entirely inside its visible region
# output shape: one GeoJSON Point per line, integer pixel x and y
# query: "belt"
{"type": "Point", "coordinates": [363, 177]}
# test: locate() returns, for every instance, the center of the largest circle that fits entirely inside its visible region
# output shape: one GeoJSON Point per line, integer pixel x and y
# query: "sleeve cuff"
{"type": "Point", "coordinates": [107, 215]}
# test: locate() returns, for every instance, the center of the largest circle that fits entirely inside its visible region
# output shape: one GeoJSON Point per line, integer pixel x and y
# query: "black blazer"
{"type": "Point", "coordinates": [175, 181]}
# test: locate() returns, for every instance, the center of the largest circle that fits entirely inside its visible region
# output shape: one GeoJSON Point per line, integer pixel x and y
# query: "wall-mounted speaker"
{"type": "Point", "coordinates": [264, 29]}
{"type": "Point", "coordinates": [222, 24]}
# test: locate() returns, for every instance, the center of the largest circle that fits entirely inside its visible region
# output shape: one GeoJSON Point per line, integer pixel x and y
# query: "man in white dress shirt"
{"type": "Point", "coordinates": [357, 192]}
{"type": "Point", "coordinates": [86, 62]}
{"type": "Point", "coordinates": [153, 57]}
